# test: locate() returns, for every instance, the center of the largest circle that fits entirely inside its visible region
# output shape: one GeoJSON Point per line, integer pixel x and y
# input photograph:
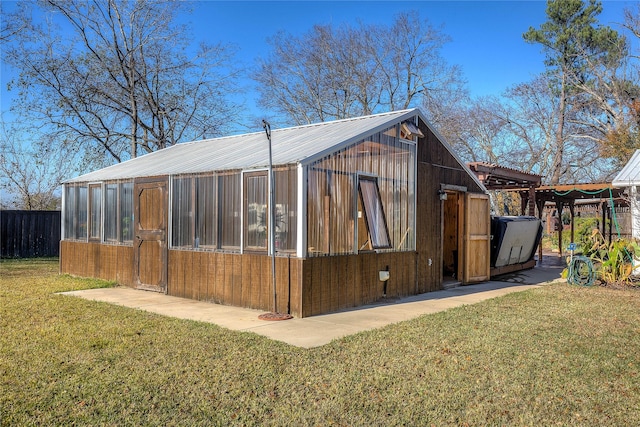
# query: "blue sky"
{"type": "Point", "coordinates": [486, 36]}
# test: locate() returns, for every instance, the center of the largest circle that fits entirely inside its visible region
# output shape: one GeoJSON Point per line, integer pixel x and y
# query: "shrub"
{"type": "Point", "coordinates": [614, 261]}
{"type": "Point", "coordinates": [583, 229]}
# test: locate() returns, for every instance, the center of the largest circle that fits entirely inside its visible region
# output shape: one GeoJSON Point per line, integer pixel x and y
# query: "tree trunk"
{"type": "Point", "coordinates": [134, 108]}
{"type": "Point", "coordinates": [557, 158]}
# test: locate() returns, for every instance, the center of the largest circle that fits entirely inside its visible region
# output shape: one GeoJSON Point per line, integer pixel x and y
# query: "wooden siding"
{"type": "Point", "coordinates": [242, 280]}
{"type": "Point", "coordinates": [428, 230]}
{"type": "Point", "coordinates": [305, 287]}
{"type": "Point", "coordinates": [340, 282]}
{"type": "Point", "coordinates": [108, 262]}
{"type": "Point", "coordinates": [433, 153]}
{"type": "Point", "coordinates": [436, 166]}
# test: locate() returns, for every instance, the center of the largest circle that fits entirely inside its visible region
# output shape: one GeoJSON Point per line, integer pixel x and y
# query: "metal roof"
{"type": "Point", "coordinates": [300, 144]}
{"type": "Point", "coordinates": [571, 192]}
{"type": "Point", "coordinates": [630, 173]}
{"type": "Point", "coordinates": [496, 177]}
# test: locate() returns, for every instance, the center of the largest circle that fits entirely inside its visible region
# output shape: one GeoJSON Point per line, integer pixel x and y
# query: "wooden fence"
{"type": "Point", "coordinates": [29, 234]}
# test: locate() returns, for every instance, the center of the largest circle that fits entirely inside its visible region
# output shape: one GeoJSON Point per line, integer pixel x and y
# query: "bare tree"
{"type": "Point", "coordinates": [339, 72]}
{"type": "Point", "coordinates": [527, 140]}
{"type": "Point", "coordinates": [567, 124]}
{"type": "Point", "coordinates": [30, 174]}
{"type": "Point", "coordinates": [530, 114]}
{"type": "Point", "coordinates": [116, 78]}
{"type": "Point", "coordinates": [408, 57]}
{"type": "Point", "coordinates": [518, 130]}
{"type": "Point", "coordinates": [480, 134]}
{"type": "Point", "coordinates": [9, 28]}
{"type": "Point", "coordinates": [310, 79]}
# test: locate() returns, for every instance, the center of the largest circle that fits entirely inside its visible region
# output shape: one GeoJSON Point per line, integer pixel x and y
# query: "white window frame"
{"type": "Point", "coordinates": [379, 237]}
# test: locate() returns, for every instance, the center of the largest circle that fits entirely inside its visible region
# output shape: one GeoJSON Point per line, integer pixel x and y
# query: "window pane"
{"type": "Point", "coordinates": [206, 219]}
{"type": "Point", "coordinates": [374, 214]}
{"type": "Point", "coordinates": [95, 211]}
{"type": "Point", "coordinates": [182, 212]}
{"type": "Point", "coordinates": [317, 216]}
{"type": "Point", "coordinates": [230, 219]}
{"type": "Point", "coordinates": [257, 215]}
{"type": "Point", "coordinates": [286, 208]}
{"type": "Point", "coordinates": [81, 213]}
{"type": "Point", "coordinates": [111, 212]}
{"type": "Point", "coordinates": [126, 211]}
{"type": "Point", "coordinates": [69, 211]}
{"type": "Point", "coordinates": [340, 213]}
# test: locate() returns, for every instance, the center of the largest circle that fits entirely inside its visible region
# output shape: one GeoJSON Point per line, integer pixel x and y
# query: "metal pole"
{"type": "Point", "coordinates": [272, 217]}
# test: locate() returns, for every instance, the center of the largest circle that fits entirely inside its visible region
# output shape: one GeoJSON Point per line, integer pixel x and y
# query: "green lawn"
{"type": "Point", "coordinates": [556, 355]}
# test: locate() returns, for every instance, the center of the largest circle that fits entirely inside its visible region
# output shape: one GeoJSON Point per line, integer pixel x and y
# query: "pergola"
{"type": "Point", "coordinates": [533, 194]}
{"type": "Point", "coordinates": [495, 177]}
{"type": "Point", "coordinates": [602, 194]}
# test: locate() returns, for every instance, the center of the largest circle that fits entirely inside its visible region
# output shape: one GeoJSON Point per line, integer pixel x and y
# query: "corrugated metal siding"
{"type": "Point", "coordinates": [630, 173]}
{"type": "Point", "coordinates": [248, 151]}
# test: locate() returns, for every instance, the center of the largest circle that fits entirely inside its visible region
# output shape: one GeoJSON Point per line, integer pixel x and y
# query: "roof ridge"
{"type": "Point", "coordinates": [348, 119]}
{"type": "Point", "coordinates": [289, 128]}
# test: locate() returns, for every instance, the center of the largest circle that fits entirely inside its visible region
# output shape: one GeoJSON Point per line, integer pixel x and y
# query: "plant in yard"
{"type": "Point", "coordinates": [584, 228]}
{"type": "Point", "coordinates": [613, 261]}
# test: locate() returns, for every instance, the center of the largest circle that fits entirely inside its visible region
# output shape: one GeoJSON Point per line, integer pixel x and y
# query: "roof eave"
{"type": "Point", "coordinates": [319, 155]}
{"type": "Point", "coordinates": [625, 177]}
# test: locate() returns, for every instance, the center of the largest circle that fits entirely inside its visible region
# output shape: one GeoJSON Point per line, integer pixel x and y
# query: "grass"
{"type": "Point", "coordinates": [556, 355]}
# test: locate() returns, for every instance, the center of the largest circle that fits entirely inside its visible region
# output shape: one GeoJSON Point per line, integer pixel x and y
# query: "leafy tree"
{"type": "Point", "coordinates": [574, 47]}
{"type": "Point", "coordinates": [115, 78]}
{"type": "Point", "coordinates": [607, 111]}
{"type": "Point", "coordinates": [338, 72]}
{"type": "Point", "coordinates": [621, 142]}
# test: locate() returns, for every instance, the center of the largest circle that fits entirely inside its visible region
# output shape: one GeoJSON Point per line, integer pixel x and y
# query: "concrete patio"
{"type": "Point", "coordinates": [319, 330]}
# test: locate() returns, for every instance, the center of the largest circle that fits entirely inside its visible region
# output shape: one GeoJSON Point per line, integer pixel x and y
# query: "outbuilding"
{"type": "Point", "coordinates": [629, 180]}
{"type": "Point", "coordinates": [365, 208]}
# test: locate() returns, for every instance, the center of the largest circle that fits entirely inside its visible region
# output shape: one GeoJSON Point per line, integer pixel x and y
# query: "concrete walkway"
{"type": "Point", "coordinates": [319, 330]}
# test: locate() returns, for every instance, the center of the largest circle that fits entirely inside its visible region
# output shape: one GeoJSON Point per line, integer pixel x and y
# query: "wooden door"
{"type": "Point", "coordinates": [476, 238]}
{"type": "Point", "coordinates": [150, 238]}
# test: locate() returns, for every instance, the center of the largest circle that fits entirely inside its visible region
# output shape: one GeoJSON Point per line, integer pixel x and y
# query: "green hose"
{"type": "Point", "coordinates": [580, 271]}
